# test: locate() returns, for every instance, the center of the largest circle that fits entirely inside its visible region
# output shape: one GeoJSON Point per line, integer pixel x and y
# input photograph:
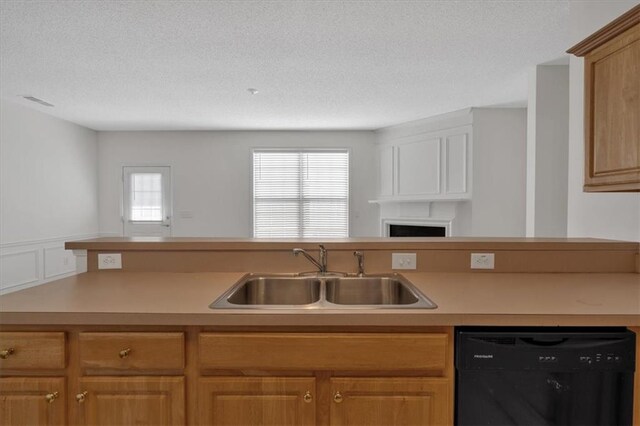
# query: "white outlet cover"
{"type": "Point", "coordinates": [483, 261]}
{"type": "Point", "coordinates": [403, 261]}
{"type": "Point", "coordinates": [109, 261]}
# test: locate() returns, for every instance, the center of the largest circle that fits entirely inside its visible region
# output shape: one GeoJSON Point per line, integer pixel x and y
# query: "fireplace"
{"type": "Point", "coordinates": [416, 228]}
{"type": "Point", "coordinates": [396, 230]}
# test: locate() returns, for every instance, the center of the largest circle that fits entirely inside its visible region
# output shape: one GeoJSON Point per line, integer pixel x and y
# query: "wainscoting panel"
{"type": "Point", "coordinates": [30, 263]}
{"type": "Point", "coordinates": [19, 268]}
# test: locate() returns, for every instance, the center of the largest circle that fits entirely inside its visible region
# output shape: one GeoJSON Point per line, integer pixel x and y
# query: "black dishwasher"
{"type": "Point", "coordinates": [544, 376]}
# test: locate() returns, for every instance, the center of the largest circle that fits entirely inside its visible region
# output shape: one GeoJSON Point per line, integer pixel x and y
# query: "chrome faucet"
{"type": "Point", "coordinates": [360, 257]}
{"type": "Point", "coordinates": [321, 264]}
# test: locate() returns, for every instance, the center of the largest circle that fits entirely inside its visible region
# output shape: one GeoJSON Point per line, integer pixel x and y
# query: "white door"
{"type": "Point", "coordinates": [147, 201]}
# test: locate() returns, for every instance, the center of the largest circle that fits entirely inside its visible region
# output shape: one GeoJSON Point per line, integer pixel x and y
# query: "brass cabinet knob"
{"type": "Point", "coordinates": [81, 397]}
{"type": "Point", "coordinates": [307, 397]}
{"type": "Point", "coordinates": [337, 397]}
{"type": "Point", "coordinates": [124, 353]}
{"type": "Point", "coordinates": [50, 397]}
{"type": "Point", "coordinates": [5, 353]}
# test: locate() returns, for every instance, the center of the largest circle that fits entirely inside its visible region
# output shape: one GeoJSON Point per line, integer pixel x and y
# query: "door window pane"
{"type": "Point", "coordinates": [146, 197]}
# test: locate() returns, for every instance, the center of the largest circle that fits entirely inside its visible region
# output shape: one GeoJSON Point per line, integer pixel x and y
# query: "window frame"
{"type": "Point", "coordinates": [346, 150]}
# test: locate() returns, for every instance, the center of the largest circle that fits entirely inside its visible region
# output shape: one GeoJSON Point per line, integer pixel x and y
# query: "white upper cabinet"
{"type": "Point", "coordinates": [426, 167]}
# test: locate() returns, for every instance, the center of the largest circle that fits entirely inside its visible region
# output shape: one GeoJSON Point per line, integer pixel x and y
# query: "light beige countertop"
{"type": "Point", "coordinates": [145, 298]}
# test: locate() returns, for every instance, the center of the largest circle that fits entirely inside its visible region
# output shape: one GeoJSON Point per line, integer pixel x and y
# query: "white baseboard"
{"type": "Point", "coordinates": [32, 263]}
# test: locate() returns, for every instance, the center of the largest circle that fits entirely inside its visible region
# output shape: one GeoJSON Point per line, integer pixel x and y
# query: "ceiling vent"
{"type": "Point", "coordinates": [39, 101]}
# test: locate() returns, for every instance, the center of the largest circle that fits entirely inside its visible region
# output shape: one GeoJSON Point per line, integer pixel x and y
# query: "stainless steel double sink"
{"type": "Point", "coordinates": [289, 291]}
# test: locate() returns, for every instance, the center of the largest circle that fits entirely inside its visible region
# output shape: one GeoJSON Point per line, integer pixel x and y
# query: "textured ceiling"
{"type": "Point", "coordinates": [139, 65]}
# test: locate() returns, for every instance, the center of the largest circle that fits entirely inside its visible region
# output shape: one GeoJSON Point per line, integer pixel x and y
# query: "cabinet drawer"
{"type": "Point", "coordinates": [324, 351]}
{"type": "Point", "coordinates": [32, 350]}
{"type": "Point", "coordinates": [132, 351]}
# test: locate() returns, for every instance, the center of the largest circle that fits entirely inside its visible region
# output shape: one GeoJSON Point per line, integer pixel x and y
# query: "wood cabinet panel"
{"type": "Point", "coordinates": [612, 105]}
{"type": "Point", "coordinates": [111, 401]}
{"type": "Point", "coordinates": [26, 401]}
{"type": "Point", "coordinates": [32, 350]}
{"type": "Point", "coordinates": [324, 351]}
{"type": "Point", "coordinates": [390, 401]}
{"type": "Point", "coordinates": [132, 351]}
{"type": "Point", "coordinates": [245, 401]}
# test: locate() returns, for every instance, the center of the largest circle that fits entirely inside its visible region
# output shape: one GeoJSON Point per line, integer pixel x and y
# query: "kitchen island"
{"type": "Point", "coordinates": [143, 340]}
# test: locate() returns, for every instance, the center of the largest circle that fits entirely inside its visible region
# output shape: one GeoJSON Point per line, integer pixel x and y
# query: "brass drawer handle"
{"type": "Point", "coordinates": [50, 397]}
{"type": "Point", "coordinates": [124, 353]}
{"type": "Point", "coordinates": [81, 397]}
{"type": "Point", "coordinates": [337, 397]}
{"type": "Point", "coordinates": [307, 397]}
{"type": "Point", "coordinates": [4, 354]}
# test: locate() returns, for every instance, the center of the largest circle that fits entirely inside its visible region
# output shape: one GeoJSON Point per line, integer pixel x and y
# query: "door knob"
{"type": "Point", "coordinates": [81, 397]}
{"type": "Point", "coordinates": [337, 397]}
{"type": "Point", "coordinates": [50, 397]}
{"type": "Point", "coordinates": [307, 397]}
{"type": "Point", "coordinates": [5, 353]}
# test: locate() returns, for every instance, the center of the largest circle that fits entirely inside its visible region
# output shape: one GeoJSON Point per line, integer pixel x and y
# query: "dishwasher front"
{"type": "Point", "coordinates": [544, 376]}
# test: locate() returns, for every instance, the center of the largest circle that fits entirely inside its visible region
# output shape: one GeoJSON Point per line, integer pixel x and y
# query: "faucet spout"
{"type": "Point", "coordinates": [321, 264]}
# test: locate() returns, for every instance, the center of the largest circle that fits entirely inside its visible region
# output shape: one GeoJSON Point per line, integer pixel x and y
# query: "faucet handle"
{"type": "Point", "coordinates": [360, 257]}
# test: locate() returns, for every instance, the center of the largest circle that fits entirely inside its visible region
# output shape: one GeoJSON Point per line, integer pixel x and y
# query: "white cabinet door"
{"type": "Point", "coordinates": [419, 167]}
{"type": "Point", "coordinates": [386, 170]}
{"type": "Point", "coordinates": [455, 163]}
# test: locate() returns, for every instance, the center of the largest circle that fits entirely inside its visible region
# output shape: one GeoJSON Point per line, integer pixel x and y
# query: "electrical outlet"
{"type": "Point", "coordinates": [482, 261]}
{"type": "Point", "coordinates": [403, 261]}
{"type": "Point", "coordinates": [109, 261]}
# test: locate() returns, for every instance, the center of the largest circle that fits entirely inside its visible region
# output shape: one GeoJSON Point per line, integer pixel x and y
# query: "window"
{"type": "Point", "coordinates": [300, 193]}
{"type": "Point", "coordinates": [146, 201]}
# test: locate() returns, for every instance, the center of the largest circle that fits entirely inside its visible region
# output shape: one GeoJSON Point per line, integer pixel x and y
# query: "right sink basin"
{"type": "Point", "coordinates": [375, 291]}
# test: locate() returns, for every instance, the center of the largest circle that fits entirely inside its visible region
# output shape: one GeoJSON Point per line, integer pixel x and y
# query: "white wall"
{"type": "Point", "coordinates": [212, 175]}
{"type": "Point", "coordinates": [49, 182]}
{"type": "Point", "coordinates": [547, 151]}
{"type": "Point", "coordinates": [602, 215]}
{"type": "Point", "coordinates": [499, 172]}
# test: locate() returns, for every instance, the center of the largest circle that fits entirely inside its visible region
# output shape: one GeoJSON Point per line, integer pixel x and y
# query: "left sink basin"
{"type": "Point", "coordinates": [264, 291]}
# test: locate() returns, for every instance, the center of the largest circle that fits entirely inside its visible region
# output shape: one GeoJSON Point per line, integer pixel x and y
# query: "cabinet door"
{"type": "Point", "coordinates": [456, 149]}
{"type": "Point", "coordinates": [32, 401]}
{"type": "Point", "coordinates": [112, 401]}
{"type": "Point", "coordinates": [419, 167]}
{"type": "Point", "coordinates": [247, 401]}
{"type": "Point", "coordinates": [386, 169]}
{"type": "Point", "coordinates": [612, 114]}
{"type": "Point", "coordinates": [391, 401]}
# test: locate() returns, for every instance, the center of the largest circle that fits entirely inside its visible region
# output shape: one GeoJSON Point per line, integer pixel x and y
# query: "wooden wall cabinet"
{"type": "Point", "coordinates": [612, 105]}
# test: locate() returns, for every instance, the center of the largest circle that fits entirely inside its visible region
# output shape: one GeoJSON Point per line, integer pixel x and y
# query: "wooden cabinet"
{"type": "Point", "coordinates": [104, 399]}
{"type": "Point", "coordinates": [108, 401]}
{"type": "Point", "coordinates": [132, 351]}
{"type": "Point", "coordinates": [612, 105]}
{"type": "Point", "coordinates": [425, 167]}
{"type": "Point", "coordinates": [192, 376]}
{"type": "Point", "coordinates": [32, 401]}
{"type": "Point", "coordinates": [357, 378]}
{"type": "Point", "coordinates": [248, 401]}
{"type": "Point", "coordinates": [32, 350]}
{"type": "Point", "coordinates": [390, 401]}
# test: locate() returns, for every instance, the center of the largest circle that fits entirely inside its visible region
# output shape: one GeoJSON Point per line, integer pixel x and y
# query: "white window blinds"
{"type": "Point", "coordinates": [300, 194]}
